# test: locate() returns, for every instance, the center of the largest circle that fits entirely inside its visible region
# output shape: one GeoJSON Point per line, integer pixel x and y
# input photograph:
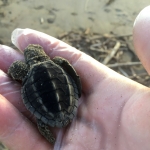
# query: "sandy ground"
{"type": "Point", "coordinates": [57, 17]}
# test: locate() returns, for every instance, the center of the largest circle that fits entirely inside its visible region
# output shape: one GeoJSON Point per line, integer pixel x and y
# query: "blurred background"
{"type": "Point", "coordinates": [100, 28]}
{"type": "Point", "coordinates": [55, 17]}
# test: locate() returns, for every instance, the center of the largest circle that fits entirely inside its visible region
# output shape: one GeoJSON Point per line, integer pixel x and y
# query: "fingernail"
{"type": "Point", "coordinates": [14, 36]}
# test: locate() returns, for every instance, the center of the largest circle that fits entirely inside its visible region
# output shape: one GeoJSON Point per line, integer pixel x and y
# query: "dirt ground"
{"type": "Point", "coordinates": [55, 17]}
{"type": "Point", "coordinates": [100, 28]}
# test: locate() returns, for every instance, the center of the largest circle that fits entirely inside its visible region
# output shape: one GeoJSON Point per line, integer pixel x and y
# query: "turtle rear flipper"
{"type": "Point", "coordinates": [69, 69]}
{"type": "Point", "coordinates": [45, 131]}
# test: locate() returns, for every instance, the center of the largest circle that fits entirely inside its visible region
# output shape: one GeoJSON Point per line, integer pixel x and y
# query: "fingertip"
{"type": "Point", "coordinates": [141, 37]}
{"type": "Point", "coordinates": [21, 38]}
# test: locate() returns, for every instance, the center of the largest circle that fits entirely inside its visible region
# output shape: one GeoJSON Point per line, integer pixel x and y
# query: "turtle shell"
{"type": "Point", "coordinates": [50, 94]}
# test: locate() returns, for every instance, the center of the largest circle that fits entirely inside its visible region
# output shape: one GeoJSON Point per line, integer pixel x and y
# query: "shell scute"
{"type": "Point", "coordinates": [49, 88]}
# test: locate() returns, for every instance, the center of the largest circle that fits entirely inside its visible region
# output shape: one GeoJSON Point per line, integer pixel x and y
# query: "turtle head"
{"type": "Point", "coordinates": [34, 54]}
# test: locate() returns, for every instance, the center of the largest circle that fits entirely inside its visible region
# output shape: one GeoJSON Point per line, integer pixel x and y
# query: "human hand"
{"type": "Point", "coordinates": [113, 111]}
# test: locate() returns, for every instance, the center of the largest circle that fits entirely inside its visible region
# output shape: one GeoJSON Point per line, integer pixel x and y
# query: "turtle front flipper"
{"type": "Point", "coordinates": [45, 131]}
{"type": "Point", "coordinates": [18, 70]}
{"type": "Point", "coordinates": [69, 69]}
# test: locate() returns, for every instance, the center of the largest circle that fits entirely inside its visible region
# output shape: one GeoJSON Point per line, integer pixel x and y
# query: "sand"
{"type": "Point", "coordinates": [56, 17]}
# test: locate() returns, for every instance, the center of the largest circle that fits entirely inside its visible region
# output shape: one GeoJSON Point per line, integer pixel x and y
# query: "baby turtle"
{"type": "Point", "coordinates": [50, 88]}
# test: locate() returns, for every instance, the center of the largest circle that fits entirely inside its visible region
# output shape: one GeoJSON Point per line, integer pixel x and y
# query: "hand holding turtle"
{"type": "Point", "coordinates": [113, 111]}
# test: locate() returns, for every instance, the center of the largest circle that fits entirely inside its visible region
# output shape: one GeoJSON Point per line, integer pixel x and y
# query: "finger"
{"type": "Point", "coordinates": [16, 132]}
{"type": "Point", "coordinates": [141, 36]}
{"type": "Point", "coordinates": [8, 56]}
{"type": "Point", "coordinates": [11, 90]}
{"type": "Point", "coordinates": [90, 71]}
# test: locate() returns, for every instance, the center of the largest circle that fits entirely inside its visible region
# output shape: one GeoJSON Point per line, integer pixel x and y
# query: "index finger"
{"type": "Point", "coordinates": [90, 71]}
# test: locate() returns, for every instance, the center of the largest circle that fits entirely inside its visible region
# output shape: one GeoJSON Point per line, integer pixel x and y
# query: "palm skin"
{"type": "Point", "coordinates": [113, 113]}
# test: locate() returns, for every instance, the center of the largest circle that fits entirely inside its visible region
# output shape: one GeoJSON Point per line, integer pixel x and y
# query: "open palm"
{"type": "Point", "coordinates": [113, 112]}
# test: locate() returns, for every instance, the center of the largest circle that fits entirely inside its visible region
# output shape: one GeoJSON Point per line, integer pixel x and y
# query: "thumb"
{"type": "Point", "coordinates": [141, 37]}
